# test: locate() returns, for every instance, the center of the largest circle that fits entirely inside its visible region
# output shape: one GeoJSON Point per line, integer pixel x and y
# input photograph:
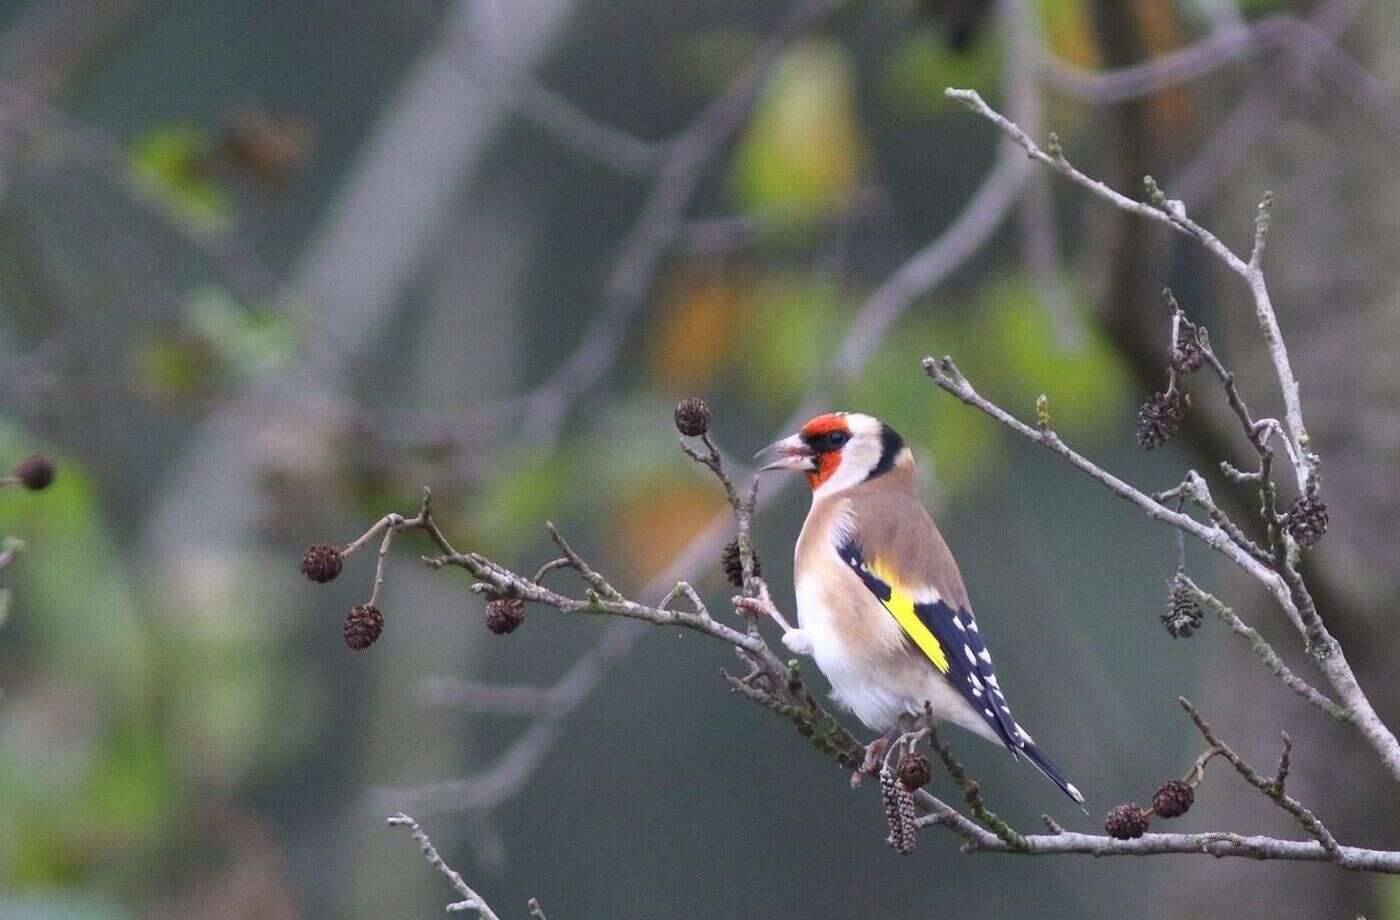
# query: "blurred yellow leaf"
{"type": "Point", "coordinates": [657, 518]}
{"type": "Point", "coordinates": [699, 310]}
{"type": "Point", "coordinates": [803, 150]}
{"type": "Point", "coordinates": [1069, 31]}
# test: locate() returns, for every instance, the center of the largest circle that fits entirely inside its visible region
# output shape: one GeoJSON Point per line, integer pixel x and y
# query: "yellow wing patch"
{"type": "Point", "coordinates": [901, 606]}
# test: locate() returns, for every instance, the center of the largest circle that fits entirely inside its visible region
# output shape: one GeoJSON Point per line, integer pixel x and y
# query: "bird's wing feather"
{"type": "Point", "coordinates": [948, 637]}
{"type": "Point", "coordinates": [892, 544]}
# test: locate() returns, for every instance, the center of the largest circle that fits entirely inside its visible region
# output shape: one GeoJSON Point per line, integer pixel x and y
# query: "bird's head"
{"type": "Point", "coordinates": [838, 450]}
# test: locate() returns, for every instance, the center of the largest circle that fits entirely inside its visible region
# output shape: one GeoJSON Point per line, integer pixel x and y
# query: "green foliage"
{"type": "Point", "coordinates": [174, 162]}
{"type": "Point", "coordinates": [1020, 353]}
{"type": "Point", "coordinates": [790, 328]}
{"type": "Point", "coordinates": [531, 486]}
{"type": "Point", "coordinates": [219, 342]}
{"type": "Point", "coordinates": [67, 583]}
{"type": "Point", "coordinates": [250, 342]}
{"type": "Point", "coordinates": [1005, 340]}
{"type": "Point", "coordinates": [921, 66]}
{"type": "Point", "coordinates": [102, 772]}
{"type": "Point", "coordinates": [632, 441]}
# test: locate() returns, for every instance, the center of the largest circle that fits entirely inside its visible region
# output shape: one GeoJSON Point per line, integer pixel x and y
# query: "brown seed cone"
{"type": "Point", "coordinates": [915, 771]}
{"type": "Point", "coordinates": [1173, 800]}
{"type": "Point", "coordinates": [1160, 418]}
{"type": "Point", "coordinates": [1184, 615]}
{"type": "Point", "coordinates": [1307, 519]}
{"type": "Point", "coordinates": [34, 473]}
{"type": "Point", "coordinates": [693, 417]}
{"type": "Point", "coordinates": [504, 614]}
{"type": "Point", "coordinates": [363, 624]}
{"type": "Point", "coordinates": [1126, 822]}
{"type": "Point", "coordinates": [1186, 358]}
{"type": "Point", "coordinates": [734, 566]}
{"type": "Point", "coordinates": [321, 563]}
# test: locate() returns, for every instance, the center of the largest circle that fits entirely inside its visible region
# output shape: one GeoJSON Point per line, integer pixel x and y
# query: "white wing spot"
{"type": "Point", "coordinates": [959, 624]}
{"type": "Point", "coordinates": [985, 656]}
{"type": "Point", "coordinates": [967, 650]}
{"type": "Point", "coordinates": [975, 680]}
{"type": "Point", "coordinates": [989, 713]}
{"type": "Point", "coordinates": [976, 692]}
{"type": "Point", "coordinates": [972, 624]}
{"type": "Point", "coordinates": [992, 679]}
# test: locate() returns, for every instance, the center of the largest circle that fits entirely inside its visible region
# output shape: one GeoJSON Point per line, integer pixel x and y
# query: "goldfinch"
{"type": "Point", "coordinates": [881, 605]}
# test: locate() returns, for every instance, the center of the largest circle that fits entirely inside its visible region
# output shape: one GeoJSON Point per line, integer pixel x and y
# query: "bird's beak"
{"type": "Point", "coordinates": [788, 454]}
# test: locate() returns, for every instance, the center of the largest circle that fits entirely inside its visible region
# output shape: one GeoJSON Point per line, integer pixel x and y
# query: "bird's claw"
{"type": "Point", "coordinates": [874, 758]}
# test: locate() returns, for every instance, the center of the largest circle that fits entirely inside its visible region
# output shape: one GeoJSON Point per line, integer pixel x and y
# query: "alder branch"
{"type": "Point", "coordinates": [1279, 572]}
{"type": "Point", "coordinates": [1266, 652]}
{"type": "Point", "coordinates": [1273, 788]}
{"type": "Point", "coordinates": [972, 793]}
{"type": "Point", "coordinates": [781, 688]}
{"type": "Point", "coordinates": [1172, 213]}
{"type": "Point", "coordinates": [1324, 848]}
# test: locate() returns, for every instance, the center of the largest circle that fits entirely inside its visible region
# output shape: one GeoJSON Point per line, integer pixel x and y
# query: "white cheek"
{"type": "Point", "coordinates": [857, 460]}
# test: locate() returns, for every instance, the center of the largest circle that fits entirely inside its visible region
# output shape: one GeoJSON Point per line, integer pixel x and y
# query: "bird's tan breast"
{"type": "Point", "coordinates": [832, 602]}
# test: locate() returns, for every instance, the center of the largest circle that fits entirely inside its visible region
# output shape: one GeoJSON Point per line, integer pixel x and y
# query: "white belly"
{"type": "Point", "coordinates": [877, 695]}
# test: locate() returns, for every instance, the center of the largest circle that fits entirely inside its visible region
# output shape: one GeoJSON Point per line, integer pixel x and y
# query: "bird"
{"type": "Point", "coordinates": [881, 604]}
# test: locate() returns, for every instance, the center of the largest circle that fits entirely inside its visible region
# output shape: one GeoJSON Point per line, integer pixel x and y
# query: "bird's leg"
{"type": "Point", "coordinates": [874, 756]}
{"type": "Point", "coordinates": [796, 640]}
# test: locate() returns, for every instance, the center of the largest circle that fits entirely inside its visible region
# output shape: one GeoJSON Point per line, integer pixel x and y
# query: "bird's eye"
{"type": "Point", "coordinates": [837, 438]}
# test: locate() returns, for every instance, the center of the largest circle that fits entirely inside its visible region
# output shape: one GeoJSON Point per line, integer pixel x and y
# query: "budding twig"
{"type": "Point", "coordinates": [972, 793]}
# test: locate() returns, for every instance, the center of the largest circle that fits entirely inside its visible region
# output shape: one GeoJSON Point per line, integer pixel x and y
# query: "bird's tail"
{"type": "Point", "coordinates": [1043, 764]}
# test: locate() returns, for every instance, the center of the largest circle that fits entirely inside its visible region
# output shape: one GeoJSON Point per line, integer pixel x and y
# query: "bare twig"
{"type": "Point", "coordinates": [1327, 655]}
{"type": "Point", "coordinates": [1270, 657]}
{"type": "Point", "coordinates": [470, 899]}
{"type": "Point", "coordinates": [1273, 788]}
{"type": "Point", "coordinates": [1173, 214]}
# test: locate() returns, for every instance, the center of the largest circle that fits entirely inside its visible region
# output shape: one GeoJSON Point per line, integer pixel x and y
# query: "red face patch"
{"type": "Point", "coordinates": [826, 466]}
{"type": "Point", "coordinates": [825, 424]}
{"type": "Point", "coordinates": [818, 434]}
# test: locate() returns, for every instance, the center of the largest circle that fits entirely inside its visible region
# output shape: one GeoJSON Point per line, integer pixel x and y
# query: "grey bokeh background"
{"type": "Point", "coordinates": [230, 365]}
